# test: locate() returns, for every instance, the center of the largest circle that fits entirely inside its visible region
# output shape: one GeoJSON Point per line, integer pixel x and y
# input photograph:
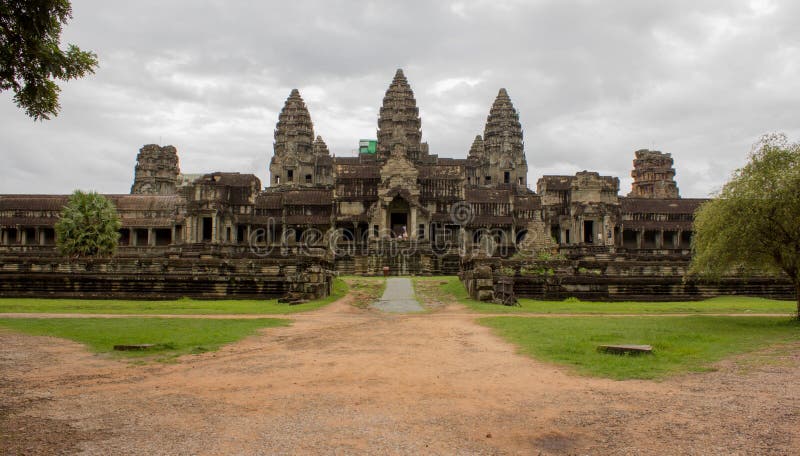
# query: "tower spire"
{"type": "Point", "coordinates": [399, 110]}
{"type": "Point", "coordinates": [294, 132]}
{"type": "Point", "coordinates": [503, 145]}
{"type": "Point", "coordinates": [503, 123]}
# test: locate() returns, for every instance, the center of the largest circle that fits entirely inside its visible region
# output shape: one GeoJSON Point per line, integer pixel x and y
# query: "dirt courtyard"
{"type": "Point", "coordinates": [348, 380]}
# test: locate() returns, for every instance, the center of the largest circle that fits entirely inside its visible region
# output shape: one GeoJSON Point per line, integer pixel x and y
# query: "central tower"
{"type": "Point", "coordinates": [399, 122]}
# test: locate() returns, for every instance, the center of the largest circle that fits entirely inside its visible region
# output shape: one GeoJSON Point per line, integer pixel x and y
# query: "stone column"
{"type": "Point", "coordinates": [412, 229]}
{"type": "Point", "coordinates": [39, 238]}
{"type": "Point", "coordinates": [660, 240]}
{"type": "Point", "coordinates": [3, 235]}
{"type": "Point", "coordinates": [151, 239]}
{"type": "Point", "coordinates": [639, 238]}
{"type": "Point", "coordinates": [214, 228]}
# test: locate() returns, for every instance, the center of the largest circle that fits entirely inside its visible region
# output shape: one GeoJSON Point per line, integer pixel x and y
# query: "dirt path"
{"type": "Point", "coordinates": [450, 313]}
{"type": "Point", "coordinates": [344, 380]}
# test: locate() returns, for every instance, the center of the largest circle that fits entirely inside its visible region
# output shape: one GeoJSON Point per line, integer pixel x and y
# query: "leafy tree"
{"type": "Point", "coordinates": [754, 223]}
{"type": "Point", "coordinates": [88, 227]}
{"type": "Point", "coordinates": [30, 58]}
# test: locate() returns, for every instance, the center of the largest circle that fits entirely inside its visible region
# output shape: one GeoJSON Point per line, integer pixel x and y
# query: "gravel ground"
{"type": "Point", "coordinates": [344, 380]}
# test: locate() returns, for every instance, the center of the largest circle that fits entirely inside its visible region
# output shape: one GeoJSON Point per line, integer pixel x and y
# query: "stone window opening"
{"type": "Point", "coordinates": [686, 239]}
{"type": "Point", "coordinates": [163, 236]}
{"type": "Point", "coordinates": [30, 236]}
{"type": "Point", "coordinates": [141, 237]}
{"type": "Point", "coordinates": [277, 179]}
{"type": "Point", "coordinates": [649, 240]}
{"type": "Point", "coordinates": [289, 175]}
{"type": "Point", "coordinates": [506, 177]}
{"type": "Point", "coordinates": [555, 233]}
{"type": "Point", "coordinates": [308, 178]}
{"type": "Point", "coordinates": [48, 236]}
{"type": "Point", "coordinates": [629, 239]}
{"type": "Point", "coordinates": [207, 229]}
{"type": "Point", "coordinates": [12, 236]}
{"type": "Point", "coordinates": [488, 179]}
{"type": "Point", "coordinates": [588, 231]}
{"type": "Point", "coordinates": [124, 237]}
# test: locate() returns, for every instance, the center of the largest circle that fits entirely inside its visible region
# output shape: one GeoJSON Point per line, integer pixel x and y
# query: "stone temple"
{"type": "Point", "coordinates": [400, 207]}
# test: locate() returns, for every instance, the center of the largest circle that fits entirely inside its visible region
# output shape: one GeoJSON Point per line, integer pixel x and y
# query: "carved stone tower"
{"type": "Point", "coordinates": [503, 148]}
{"type": "Point", "coordinates": [478, 163]}
{"type": "Point", "coordinates": [156, 171]}
{"type": "Point", "coordinates": [323, 163]}
{"type": "Point", "coordinates": [295, 162]}
{"type": "Point", "coordinates": [653, 175]}
{"type": "Point", "coordinates": [399, 111]}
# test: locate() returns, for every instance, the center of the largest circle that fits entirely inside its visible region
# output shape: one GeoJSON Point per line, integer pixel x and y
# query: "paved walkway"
{"type": "Point", "coordinates": [398, 297]}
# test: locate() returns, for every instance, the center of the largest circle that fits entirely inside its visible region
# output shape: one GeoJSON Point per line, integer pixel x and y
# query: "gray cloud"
{"type": "Point", "coordinates": [593, 82]}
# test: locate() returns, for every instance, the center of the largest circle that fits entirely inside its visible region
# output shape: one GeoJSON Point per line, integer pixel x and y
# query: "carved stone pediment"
{"type": "Point", "coordinates": [399, 172]}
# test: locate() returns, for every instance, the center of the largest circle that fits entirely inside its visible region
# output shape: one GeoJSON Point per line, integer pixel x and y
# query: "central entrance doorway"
{"type": "Point", "coordinates": [398, 218]}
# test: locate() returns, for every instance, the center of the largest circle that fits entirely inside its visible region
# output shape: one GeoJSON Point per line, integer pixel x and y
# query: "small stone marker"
{"type": "Point", "coordinates": [133, 347]}
{"type": "Point", "coordinates": [626, 349]}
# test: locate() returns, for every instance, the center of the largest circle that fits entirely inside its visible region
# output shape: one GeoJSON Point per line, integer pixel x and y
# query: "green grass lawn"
{"type": "Point", "coordinates": [722, 304]}
{"type": "Point", "coordinates": [183, 306]}
{"type": "Point", "coordinates": [680, 344]}
{"type": "Point", "coordinates": [173, 336]}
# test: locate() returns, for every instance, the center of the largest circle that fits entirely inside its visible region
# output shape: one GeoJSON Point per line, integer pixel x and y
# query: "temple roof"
{"type": "Point", "coordinates": [230, 179]}
{"type": "Point", "coordinates": [441, 171]}
{"type": "Point", "coordinates": [661, 206]}
{"type": "Point", "coordinates": [357, 171]}
{"type": "Point", "coordinates": [310, 197]}
{"type": "Point", "coordinates": [269, 201]}
{"type": "Point", "coordinates": [487, 195]}
{"type": "Point", "coordinates": [527, 203]}
{"type": "Point", "coordinates": [121, 202]}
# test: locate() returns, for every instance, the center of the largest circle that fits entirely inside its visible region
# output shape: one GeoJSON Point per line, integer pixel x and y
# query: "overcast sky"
{"type": "Point", "coordinates": [593, 82]}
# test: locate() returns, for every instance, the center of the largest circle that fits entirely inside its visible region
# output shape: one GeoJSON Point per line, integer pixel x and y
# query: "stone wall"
{"type": "Point", "coordinates": [401, 257]}
{"type": "Point", "coordinates": [611, 278]}
{"type": "Point", "coordinates": [165, 278]}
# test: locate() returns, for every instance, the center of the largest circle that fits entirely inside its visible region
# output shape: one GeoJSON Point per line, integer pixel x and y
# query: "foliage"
{"type": "Point", "coordinates": [690, 345]}
{"type": "Point", "coordinates": [172, 336]}
{"type": "Point", "coordinates": [88, 227]}
{"type": "Point", "coordinates": [30, 57]}
{"type": "Point", "coordinates": [184, 306]}
{"type": "Point", "coordinates": [754, 224]}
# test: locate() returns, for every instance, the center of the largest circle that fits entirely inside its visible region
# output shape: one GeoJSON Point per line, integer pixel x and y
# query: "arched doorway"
{"type": "Point", "coordinates": [397, 214]}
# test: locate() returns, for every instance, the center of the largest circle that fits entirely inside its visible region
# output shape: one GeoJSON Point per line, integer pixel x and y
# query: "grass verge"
{"type": "Point", "coordinates": [680, 344]}
{"type": "Point", "coordinates": [722, 304]}
{"type": "Point", "coordinates": [172, 336]}
{"type": "Point", "coordinates": [365, 290]}
{"type": "Point", "coordinates": [184, 306]}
